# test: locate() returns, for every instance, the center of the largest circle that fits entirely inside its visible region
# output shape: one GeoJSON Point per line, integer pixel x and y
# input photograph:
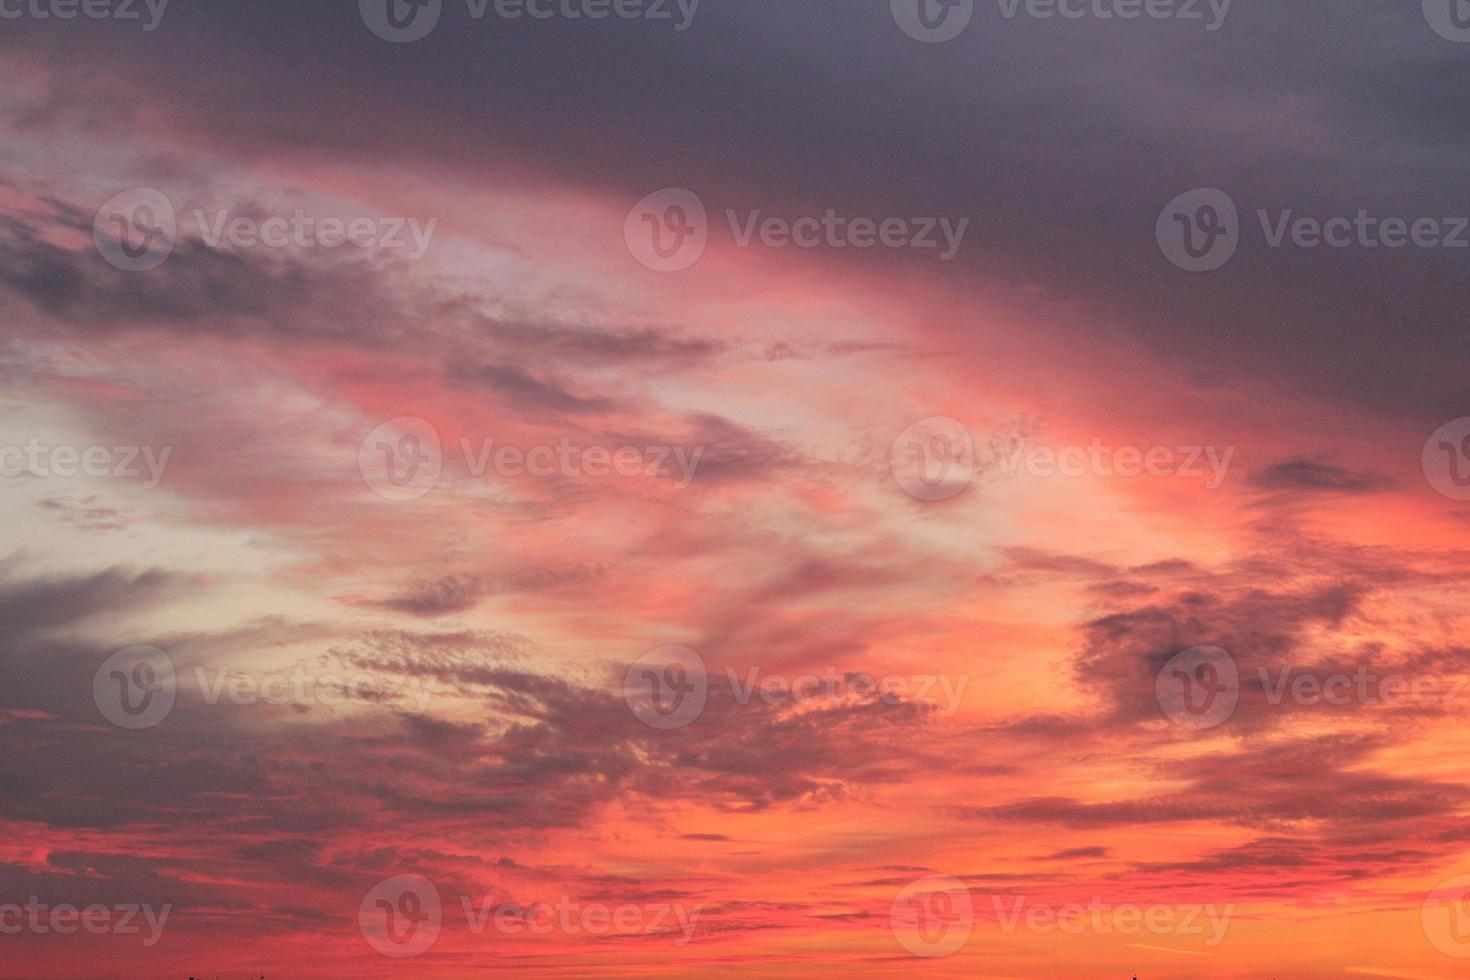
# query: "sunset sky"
{"type": "Point", "coordinates": [735, 488]}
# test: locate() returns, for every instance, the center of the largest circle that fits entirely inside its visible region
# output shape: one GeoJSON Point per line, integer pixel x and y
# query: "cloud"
{"type": "Point", "coordinates": [1309, 476]}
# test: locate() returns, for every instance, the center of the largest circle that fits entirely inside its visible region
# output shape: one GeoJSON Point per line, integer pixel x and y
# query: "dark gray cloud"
{"type": "Point", "coordinates": [1300, 475]}
{"type": "Point", "coordinates": [1061, 140]}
